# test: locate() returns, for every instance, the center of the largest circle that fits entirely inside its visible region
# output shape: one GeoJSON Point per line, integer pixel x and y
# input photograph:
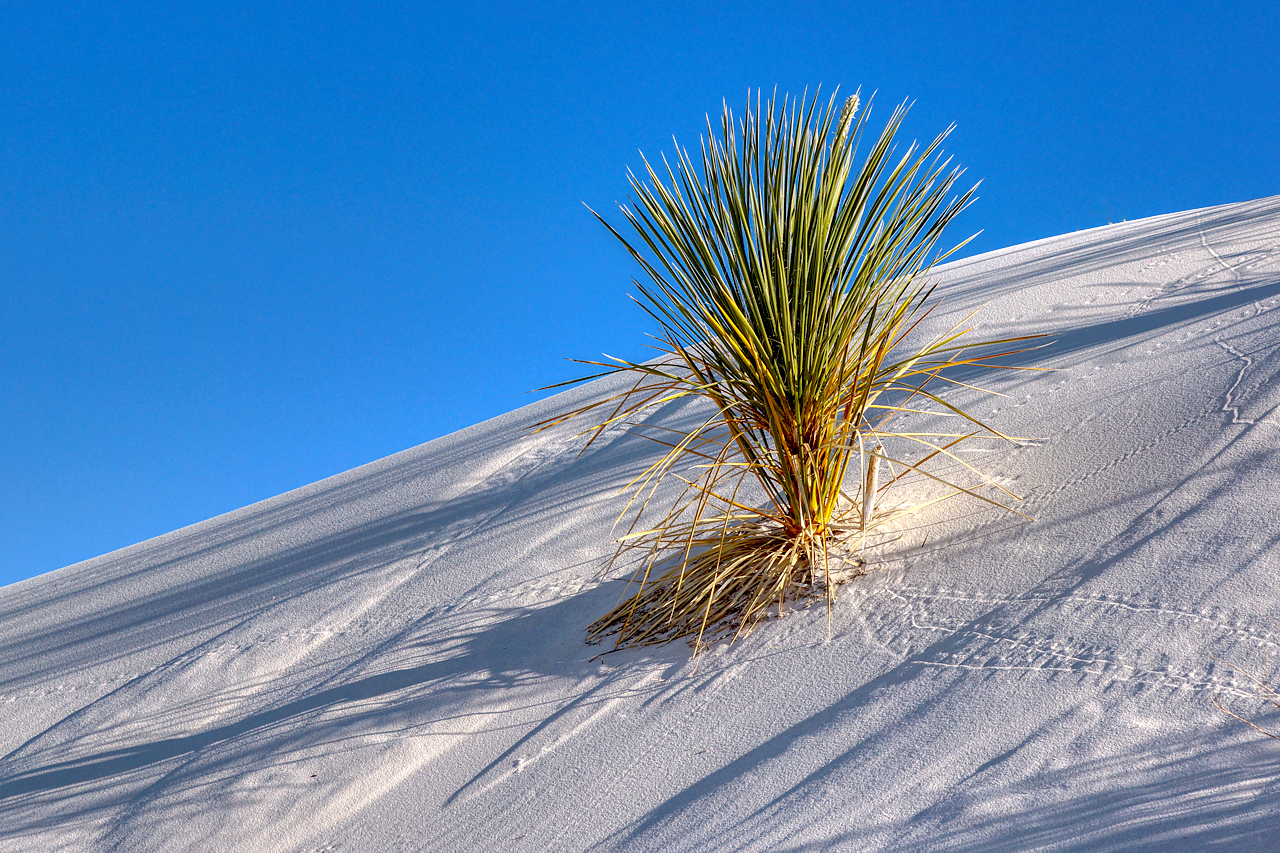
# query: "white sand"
{"type": "Point", "coordinates": [393, 659]}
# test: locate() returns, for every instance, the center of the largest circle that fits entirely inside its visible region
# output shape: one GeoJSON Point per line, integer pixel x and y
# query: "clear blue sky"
{"type": "Point", "coordinates": [247, 246]}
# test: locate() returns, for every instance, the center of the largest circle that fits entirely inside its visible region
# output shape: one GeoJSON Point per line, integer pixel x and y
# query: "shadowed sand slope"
{"type": "Point", "coordinates": [392, 659]}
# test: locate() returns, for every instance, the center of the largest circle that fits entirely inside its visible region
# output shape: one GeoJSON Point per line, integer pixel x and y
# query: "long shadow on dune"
{"type": "Point", "coordinates": [520, 646]}
{"type": "Point", "coordinates": [1206, 795]}
{"type": "Point", "coordinates": [1249, 223]}
{"type": "Point", "coordinates": [228, 589]}
{"type": "Point", "coordinates": [1071, 340]}
{"type": "Point", "coordinates": [432, 669]}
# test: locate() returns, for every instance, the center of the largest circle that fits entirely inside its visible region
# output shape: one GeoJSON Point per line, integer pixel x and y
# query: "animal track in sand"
{"type": "Point", "coordinates": [1227, 403]}
{"type": "Point", "coordinates": [1218, 264]}
{"type": "Point", "coordinates": [982, 640]}
{"type": "Point", "coordinates": [1091, 473]}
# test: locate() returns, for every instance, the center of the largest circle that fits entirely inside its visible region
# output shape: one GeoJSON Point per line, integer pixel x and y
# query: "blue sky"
{"type": "Point", "coordinates": [248, 246]}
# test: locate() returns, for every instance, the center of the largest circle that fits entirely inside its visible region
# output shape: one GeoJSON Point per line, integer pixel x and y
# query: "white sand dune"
{"type": "Point", "coordinates": [393, 660]}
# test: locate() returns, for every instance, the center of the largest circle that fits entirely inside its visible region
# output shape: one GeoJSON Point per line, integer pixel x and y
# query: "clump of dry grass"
{"type": "Point", "coordinates": [1262, 689]}
{"type": "Point", "coordinates": [785, 282]}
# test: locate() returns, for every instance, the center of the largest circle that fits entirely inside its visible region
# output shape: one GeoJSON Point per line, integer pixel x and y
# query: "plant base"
{"type": "Point", "coordinates": [727, 585]}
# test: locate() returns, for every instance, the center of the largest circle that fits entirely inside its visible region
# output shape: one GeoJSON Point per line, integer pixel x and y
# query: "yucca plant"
{"type": "Point", "coordinates": [786, 283]}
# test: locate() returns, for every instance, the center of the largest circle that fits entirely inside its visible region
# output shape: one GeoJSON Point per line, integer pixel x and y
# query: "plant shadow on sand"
{"type": "Point", "coordinates": [513, 673]}
{"type": "Point", "coordinates": [494, 654]}
{"type": "Point", "coordinates": [1252, 222]}
{"type": "Point", "coordinates": [1203, 795]}
{"type": "Point", "coordinates": [499, 650]}
{"type": "Point", "coordinates": [215, 587]}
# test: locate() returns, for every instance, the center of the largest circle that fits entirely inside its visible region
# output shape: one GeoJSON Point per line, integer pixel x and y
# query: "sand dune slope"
{"type": "Point", "coordinates": [393, 659]}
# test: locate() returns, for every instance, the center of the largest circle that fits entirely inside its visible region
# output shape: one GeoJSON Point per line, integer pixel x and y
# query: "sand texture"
{"type": "Point", "coordinates": [393, 660]}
